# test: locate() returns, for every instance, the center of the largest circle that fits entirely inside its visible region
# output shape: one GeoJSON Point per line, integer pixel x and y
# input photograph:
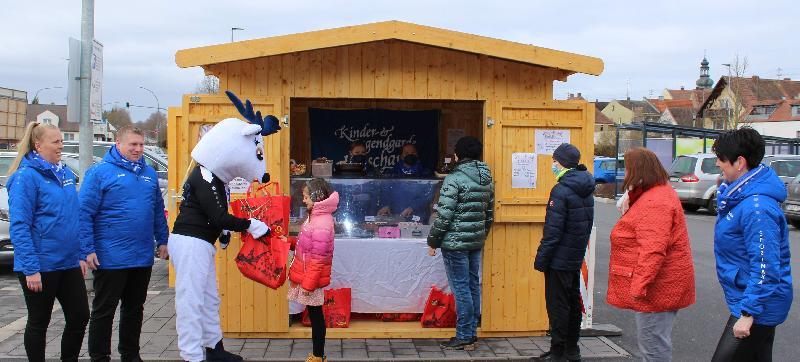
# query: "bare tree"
{"type": "Point", "coordinates": [736, 73]}
{"type": "Point", "coordinates": [209, 85]}
{"type": "Point", "coordinates": [117, 117]}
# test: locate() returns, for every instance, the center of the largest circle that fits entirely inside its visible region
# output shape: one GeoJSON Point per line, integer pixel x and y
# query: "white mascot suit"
{"type": "Point", "coordinates": [232, 148]}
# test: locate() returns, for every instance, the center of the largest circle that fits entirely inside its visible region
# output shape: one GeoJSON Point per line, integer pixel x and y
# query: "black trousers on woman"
{"type": "Point", "coordinates": [756, 348]}
{"type": "Point", "coordinates": [317, 329]}
{"type": "Point", "coordinates": [68, 287]}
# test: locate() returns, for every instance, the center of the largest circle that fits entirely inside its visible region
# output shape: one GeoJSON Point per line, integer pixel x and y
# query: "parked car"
{"type": "Point", "coordinates": [791, 208]}
{"type": "Point", "coordinates": [153, 157]}
{"type": "Point", "coordinates": [71, 160]}
{"type": "Point", "coordinates": [604, 169]}
{"type": "Point", "coordinates": [694, 178]}
{"type": "Point", "coordinates": [786, 166]}
{"type": "Point", "coordinates": [6, 248]}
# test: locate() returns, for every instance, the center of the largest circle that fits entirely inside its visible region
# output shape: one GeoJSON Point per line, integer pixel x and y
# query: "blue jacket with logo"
{"type": "Point", "coordinates": [751, 245]}
{"type": "Point", "coordinates": [122, 212]}
{"type": "Point", "coordinates": [44, 219]}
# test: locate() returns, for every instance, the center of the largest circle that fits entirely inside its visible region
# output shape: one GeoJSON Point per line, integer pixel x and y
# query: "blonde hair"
{"type": "Point", "coordinates": [33, 133]}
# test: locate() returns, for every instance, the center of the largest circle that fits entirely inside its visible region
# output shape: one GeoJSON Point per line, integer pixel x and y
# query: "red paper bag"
{"type": "Point", "coordinates": [440, 310]}
{"type": "Point", "coordinates": [271, 209]}
{"type": "Point", "coordinates": [264, 260]}
{"type": "Point", "coordinates": [336, 309]}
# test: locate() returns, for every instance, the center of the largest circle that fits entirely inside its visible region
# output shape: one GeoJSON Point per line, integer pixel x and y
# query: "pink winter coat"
{"type": "Point", "coordinates": [313, 255]}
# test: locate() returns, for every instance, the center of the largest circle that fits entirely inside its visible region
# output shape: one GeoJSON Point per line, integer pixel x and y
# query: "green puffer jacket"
{"type": "Point", "coordinates": [465, 211]}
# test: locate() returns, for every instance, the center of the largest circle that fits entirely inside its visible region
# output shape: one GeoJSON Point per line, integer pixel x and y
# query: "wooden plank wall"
{"type": "Point", "coordinates": [513, 291]}
{"type": "Point", "coordinates": [387, 69]}
{"type": "Point", "coordinates": [466, 115]}
{"type": "Point", "coordinates": [247, 306]}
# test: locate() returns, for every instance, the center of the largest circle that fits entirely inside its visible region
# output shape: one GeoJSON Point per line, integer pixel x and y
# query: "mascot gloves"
{"type": "Point", "coordinates": [257, 228]}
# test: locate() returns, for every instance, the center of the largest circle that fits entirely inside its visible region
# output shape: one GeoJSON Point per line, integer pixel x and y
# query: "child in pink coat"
{"type": "Point", "coordinates": [311, 268]}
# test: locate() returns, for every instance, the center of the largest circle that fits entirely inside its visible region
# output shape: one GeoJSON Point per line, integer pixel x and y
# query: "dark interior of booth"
{"type": "Point", "coordinates": [375, 201]}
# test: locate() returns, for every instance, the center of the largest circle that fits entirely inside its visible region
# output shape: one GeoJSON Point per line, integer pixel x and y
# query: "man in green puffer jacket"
{"type": "Point", "coordinates": [465, 215]}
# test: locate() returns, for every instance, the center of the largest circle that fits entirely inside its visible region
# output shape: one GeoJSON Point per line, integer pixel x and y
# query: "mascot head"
{"type": "Point", "coordinates": [235, 148]}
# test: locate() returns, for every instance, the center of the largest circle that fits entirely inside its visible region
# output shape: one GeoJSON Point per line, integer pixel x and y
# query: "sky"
{"type": "Point", "coordinates": [646, 46]}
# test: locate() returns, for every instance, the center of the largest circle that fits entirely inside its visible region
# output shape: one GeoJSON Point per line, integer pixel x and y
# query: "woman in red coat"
{"type": "Point", "coordinates": [651, 270]}
{"type": "Point", "coordinates": [311, 268]}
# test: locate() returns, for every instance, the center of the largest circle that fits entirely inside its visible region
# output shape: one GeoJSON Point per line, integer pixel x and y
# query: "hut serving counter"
{"type": "Point", "coordinates": [498, 91]}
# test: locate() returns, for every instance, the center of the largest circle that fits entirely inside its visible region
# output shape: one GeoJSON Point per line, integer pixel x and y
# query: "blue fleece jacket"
{"type": "Point", "coordinates": [751, 245]}
{"type": "Point", "coordinates": [122, 212]}
{"type": "Point", "coordinates": [44, 218]}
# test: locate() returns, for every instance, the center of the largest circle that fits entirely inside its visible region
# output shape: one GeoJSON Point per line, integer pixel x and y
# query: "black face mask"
{"type": "Point", "coordinates": [358, 159]}
{"type": "Point", "coordinates": [411, 160]}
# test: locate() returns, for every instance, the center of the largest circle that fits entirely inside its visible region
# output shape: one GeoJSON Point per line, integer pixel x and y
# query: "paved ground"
{"type": "Point", "coordinates": [697, 328]}
{"type": "Point", "coordinates": [159, 336]}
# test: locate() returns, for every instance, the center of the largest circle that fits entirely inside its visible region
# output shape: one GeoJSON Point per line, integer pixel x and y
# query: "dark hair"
{"type": "Point", "coordinates": [643, 169]}
{"type": "Point", "coordinates": [745, 142]}
{"type": "Point", "coordinates": [356, 144]}
{"type": "Point", "coordinates": [468, 147]}
{"type": "Point", "coordinates": [318, 189]}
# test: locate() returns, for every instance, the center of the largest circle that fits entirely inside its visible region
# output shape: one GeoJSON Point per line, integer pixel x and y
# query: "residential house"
{"type": "Point", "coordinates": [57, 115]}
{"type": "Point", "coordinates": [601, 122]}
{"type": "Point", "coordinates": [767, 105]}
{"type": "Point", "coordinates": [681, 116]}
{"type": "Point", "coordinates": [628, 111]}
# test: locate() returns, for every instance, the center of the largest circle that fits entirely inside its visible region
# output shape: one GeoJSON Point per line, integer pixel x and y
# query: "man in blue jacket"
{"type": "Point", "coordinates": [751, 245]}
{"type": "Point", "coordinates": [122, 213]}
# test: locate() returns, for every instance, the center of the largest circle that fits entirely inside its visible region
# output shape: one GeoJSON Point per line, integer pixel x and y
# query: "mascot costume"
{"type": "Point", "coordinates": [232, 148]}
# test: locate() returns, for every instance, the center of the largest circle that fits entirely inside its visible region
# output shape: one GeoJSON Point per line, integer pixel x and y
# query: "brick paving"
{"type": "Point", "coordinates": [158, 339]}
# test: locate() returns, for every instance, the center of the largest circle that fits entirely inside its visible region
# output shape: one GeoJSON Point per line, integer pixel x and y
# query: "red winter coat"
{"type": "Point", "coordinates": [313, 254]}
{"type": "Point", "coordinates": [651, 267]}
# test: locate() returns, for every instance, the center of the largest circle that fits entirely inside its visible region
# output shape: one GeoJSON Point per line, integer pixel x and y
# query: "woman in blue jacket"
{"type": "Point", "coordinates": [751, 245]}
{"type": "Point", "coordinates": [44, 230]}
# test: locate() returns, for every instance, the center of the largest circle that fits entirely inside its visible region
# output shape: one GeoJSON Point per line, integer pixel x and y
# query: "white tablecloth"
{"type": "Point", "coordinates": [385, 275]}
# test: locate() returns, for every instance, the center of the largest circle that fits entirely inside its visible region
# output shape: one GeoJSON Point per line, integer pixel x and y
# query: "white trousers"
{"type": "Point", "coordinates": [196, 297]}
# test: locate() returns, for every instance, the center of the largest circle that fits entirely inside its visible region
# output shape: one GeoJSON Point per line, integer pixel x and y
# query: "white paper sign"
{"type": "Point", "coordinates": [547, 140]}
{"type": "Point", "coordinates": [238, 186]}
{"type": "Point", "coordinates": [523, 170]}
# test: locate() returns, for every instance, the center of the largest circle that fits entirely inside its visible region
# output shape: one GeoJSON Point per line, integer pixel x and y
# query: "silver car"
{"type": "Point", "coordinates": [6, 249]}
{"type": "Point", "coordinates": [786, 166]}
{"type": "Point", "coordinates": [694, 178]}
{"type": "Point", "coordinates": [791, 208]}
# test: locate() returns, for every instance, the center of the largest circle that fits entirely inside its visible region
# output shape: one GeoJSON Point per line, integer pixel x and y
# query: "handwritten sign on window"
{"type": "Point", "coordinates": [547, 140]}
{"type": "Point", "coordinates": [523, 170]}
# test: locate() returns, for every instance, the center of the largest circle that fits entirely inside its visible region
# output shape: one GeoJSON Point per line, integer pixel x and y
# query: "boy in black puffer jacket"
{"type": "Point", "coordinates": [567, 228]}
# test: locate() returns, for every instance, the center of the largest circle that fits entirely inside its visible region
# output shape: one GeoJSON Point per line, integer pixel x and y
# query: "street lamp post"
{"type": "Point", "coordinates": [158, 110]}
{"type": "Point", "coordinates": [232, 29]}
{"type": "Point", "coordinates": [727, 108]}
{"type": "Point", "coordinates": [36, 96]}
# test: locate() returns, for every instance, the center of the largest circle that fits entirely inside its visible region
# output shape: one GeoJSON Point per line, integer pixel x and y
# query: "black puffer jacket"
{"type": "Point", "coordinates": [568, 222]}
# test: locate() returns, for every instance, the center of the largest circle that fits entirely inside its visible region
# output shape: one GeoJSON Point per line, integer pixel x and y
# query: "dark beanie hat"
{"type": "Point", "coordinates": [567, 155]}
{"type": "Point", "coordinates": [468, 147]}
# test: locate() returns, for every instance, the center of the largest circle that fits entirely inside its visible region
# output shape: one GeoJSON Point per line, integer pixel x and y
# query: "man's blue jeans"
{"type": "Point", "coordinates": [463, 273]}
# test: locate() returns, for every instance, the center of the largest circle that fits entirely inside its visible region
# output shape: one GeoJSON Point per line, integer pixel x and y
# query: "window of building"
{"type": "Point", "coordinates": [69, 136]}
{"type": "Point", "coordinates": [796, 111]}
{"type": "Point", "coordinates": [47, 121]}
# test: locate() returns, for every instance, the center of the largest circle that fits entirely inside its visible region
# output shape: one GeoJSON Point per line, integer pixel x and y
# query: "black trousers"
{"type": "Point", "coordinates": [67, 286]}
{"type": "Point", "coordinates": [563, 297]}
{"type": "Point", "coordinates": [317, 329]}
{"type": "Point", "coordinates": [757, 347]}
{"type": "Point", "coordinates": [110, 287]}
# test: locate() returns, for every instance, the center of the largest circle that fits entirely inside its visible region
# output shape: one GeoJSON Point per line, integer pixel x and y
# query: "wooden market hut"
{"type": "Point", "coordinates": [496, 90]}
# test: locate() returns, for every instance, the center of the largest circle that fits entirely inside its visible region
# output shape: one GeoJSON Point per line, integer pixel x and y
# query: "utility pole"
{"type": "Point", "coordinates": [158, 111]}
{"type": "Point", "coordinates": [86, 138]}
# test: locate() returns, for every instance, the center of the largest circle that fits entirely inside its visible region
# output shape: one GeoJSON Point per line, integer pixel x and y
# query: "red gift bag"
{"type": "Point", "coordinates": [336, 309]}
{"type": "Point", "coordinates": [400, 317]}
{"type": "Point", "coordinates": [440, 310]}
{"type": "Point", "coordinates": [272, 209]}
{"type": "Point", "coordinates": [263, 260]}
